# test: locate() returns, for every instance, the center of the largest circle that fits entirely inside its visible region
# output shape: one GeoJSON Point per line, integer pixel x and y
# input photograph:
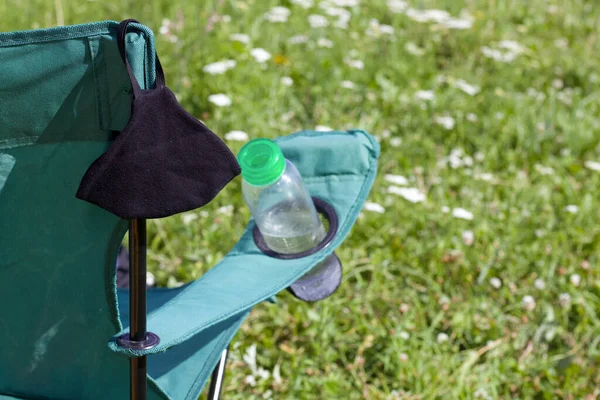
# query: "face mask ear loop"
{"type": "Point", "coordinates": [122, 33]}
{"type": "Point", "coordinates": [160, 76]}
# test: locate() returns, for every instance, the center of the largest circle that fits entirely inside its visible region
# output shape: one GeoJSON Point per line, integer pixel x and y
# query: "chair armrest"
{"type": "Point", "coordinates": [338, 167]}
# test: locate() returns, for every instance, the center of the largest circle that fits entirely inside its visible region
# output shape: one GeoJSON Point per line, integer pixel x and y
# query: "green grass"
{"type": "Point", "coordinates": [409, 275]}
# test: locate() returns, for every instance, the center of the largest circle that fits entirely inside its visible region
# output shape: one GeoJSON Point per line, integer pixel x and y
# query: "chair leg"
{"type": "Point", "coordinates": [218, 375]}
{"type": "Point", "coordinates": [137, 304]}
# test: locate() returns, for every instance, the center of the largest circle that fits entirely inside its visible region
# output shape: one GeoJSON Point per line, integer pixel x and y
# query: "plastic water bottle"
{"type": "Point", "coordinates": [285, 213]}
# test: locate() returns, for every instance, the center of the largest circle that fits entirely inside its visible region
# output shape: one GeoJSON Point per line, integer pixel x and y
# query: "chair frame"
{"type": "Point", "coordinates": [138, 332]}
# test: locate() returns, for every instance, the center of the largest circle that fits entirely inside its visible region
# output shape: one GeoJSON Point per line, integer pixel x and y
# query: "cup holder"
{"type": "Point", "coordinates": [323, 208]}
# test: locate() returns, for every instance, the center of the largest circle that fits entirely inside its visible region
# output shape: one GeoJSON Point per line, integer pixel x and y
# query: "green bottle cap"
{"type": "Point", "coordinates": [262, 162]}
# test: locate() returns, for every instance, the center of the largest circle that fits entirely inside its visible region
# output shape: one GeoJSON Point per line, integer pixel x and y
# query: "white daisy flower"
{"type": "Point", "coordinates": [457, 23]}
{"type": "Point", "coordinates": [544, 170]}
{"type": "Point", "coordinates": [445, 209]}
{"type": "Point", "coordinates": [472, 117]}
{"type": "Point", "coordinates": [413, 49]}
{"type": "Point", "coordinates": [404, 335]}
{"type": "Point", "coordinates": [592, 165]}
{"type": "Point", "coordinates": [286, 81]}
{"type": "Point", "coordinates": [356, 64]}
{"type": "Point", "coordinates": [442, 337]}
{"type": "Point", "coordinates": [150, 279]}
{"type": "Point", "coordinates": [425, 95]}
{"type": "Point", "coordinates": [278, 14]}
{"type": "Point", "coordinates": [564, 299]}
{"type": "Point", "coordinates": [396, 179]}
{"type": "Point", "coordinates": [395, 142]}
{"type": "Point", "coordinates": [165, 27]}
{"type": "Point", "coordinates": [323, 42]}
{"type": "Point", "coordinates": [343, 3]}
{"type": "Point", "coordinates": [539, 284]}
{"type": "Point", "coordinates": [240, 37]}
{"type": "Point", "coordinates": [461, 213]}
{"type": "Point", "coordinates": [221, 100]}
{"type": "Point", "coordinates": [376, 29]}
{"type": "Point", "coordinates": [397, 6]}
{"type": "Point", "coordinates": [263, 373]}
{"type": "Point", "coordinates": [317, 21]}
{"type": "Point", "coordinates": [485, 176]}
{"type": "Point", "coordinates": [219, 67]}
{"type": "Point", "coordinates": [249, 357]}
{"type": "Point", "coordinates": [260, 55]}
{"type": "Point", "coordinates": [575, 279]}
{"type": "Point", "coordinates": [496, 283]}
{"type": "Point", "coordinates": [468, 237]}
{"type": "Point", "coordinates": [343, 21]}
{"type": "Point", "coordinates": [298, 39]}
{"type": "Point", "coordinates": [481, 393]}
{"type": "Point", "coordinates": [455, 159]}
{"type": "Point", "coordinates": [386, 29]}
{"type": "Point", "coordinates": [411, 194]}
{"type": "Point", "coordinates": [347, 84]}
{"type": "Point", "coordinates": [277, 374]}
{"type": "Point", "coordinates": [528, 303]}
{"type": "Point", "coordinates": [561, 43]}
{"type": "Point", "coordinates": [446, 121]}
{"type": "Point", "coordinates": [322, 128]}
{"type": "Point", "coordinates": [572, 208]}
{"type": "Point", "coordinates": [510, 45]}
{"type": "Point", "coordinates": [237, 136]}
{"type": "Point", "coordinates": [558, 84]}
{"type": "Point", "coordinates": [378, 208]}
{"type": "Point", "coordinates": [188, 217]}
{"type": "Point", "coordinates": [438, 16]}
{"type": "Point", "coordinates": [498, 55]}
{"type": "Point", "coordinates": [303, 3]}
{"type": "Point", "coordinates": [250, 380]}
{"type": "Point", "coordinates": [469, 89]}
{"type": "Point", "coordinates": [507, 52]}
{"type": "Point", "coordinates": [225, 210]}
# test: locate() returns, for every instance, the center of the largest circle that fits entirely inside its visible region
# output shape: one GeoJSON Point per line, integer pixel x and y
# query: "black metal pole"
{"type": "Point", "coordinates": [218, 375]}
{"type": "Point", "coordinates": [137, 304]}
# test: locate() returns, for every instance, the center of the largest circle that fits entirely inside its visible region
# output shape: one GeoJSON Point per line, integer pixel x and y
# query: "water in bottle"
{"type": "Point", "coordinates": [285, 213]}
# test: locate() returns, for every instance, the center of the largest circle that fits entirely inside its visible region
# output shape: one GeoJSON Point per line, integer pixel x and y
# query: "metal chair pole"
{"type": "Point", "coordinates": [137, 305]}
{"type": "Point", "coordinates": [218, 375]}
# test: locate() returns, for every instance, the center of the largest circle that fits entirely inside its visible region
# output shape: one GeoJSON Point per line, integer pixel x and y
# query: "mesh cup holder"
{"type": "Point", "coordinates": [323, 208]}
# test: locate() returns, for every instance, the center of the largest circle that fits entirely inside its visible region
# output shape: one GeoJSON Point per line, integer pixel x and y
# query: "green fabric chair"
{"type": "Point", "coordinates": [63, 92]}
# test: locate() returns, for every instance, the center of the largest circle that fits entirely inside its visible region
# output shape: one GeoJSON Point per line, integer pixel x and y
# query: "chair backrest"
{"type": "Point", "coordinates": [63, 91]}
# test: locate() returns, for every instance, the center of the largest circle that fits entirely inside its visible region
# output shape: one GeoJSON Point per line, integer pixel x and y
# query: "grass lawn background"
{"type": "Point", "coordinates": [476, 276]}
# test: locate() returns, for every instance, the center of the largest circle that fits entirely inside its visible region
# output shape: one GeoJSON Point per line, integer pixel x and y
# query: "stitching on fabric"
{"type": "Point", "coordinates": [350, 215]}
{"type": "Point", "coordinates": [11, 143]}
{"type": "Point", "coordinates": [17, 38]}
{"type": "Point", "coordinates": [110, 278]}
{"type": "Point", "coordinates": [341, 177]}
{"type": "Point", "coordinates": [22, 397]}
{"type": "Point", "coordinates": [27, 38]}
{"type": "Point", "coordinates": [107, 90]}
{"type": "Point", "coordinates": [93, 53]}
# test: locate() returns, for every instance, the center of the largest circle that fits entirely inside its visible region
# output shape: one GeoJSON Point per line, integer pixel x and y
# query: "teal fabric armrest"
{"type": "Point", "coordinates": [338, 167]}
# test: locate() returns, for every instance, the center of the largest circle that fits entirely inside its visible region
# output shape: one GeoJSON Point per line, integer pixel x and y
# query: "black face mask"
{"type": "Point", "coordinates": [164, 162]}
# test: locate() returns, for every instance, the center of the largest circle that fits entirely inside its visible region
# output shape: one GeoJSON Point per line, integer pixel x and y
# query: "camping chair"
{"type": "Point", "coordinates": [66, 331]}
